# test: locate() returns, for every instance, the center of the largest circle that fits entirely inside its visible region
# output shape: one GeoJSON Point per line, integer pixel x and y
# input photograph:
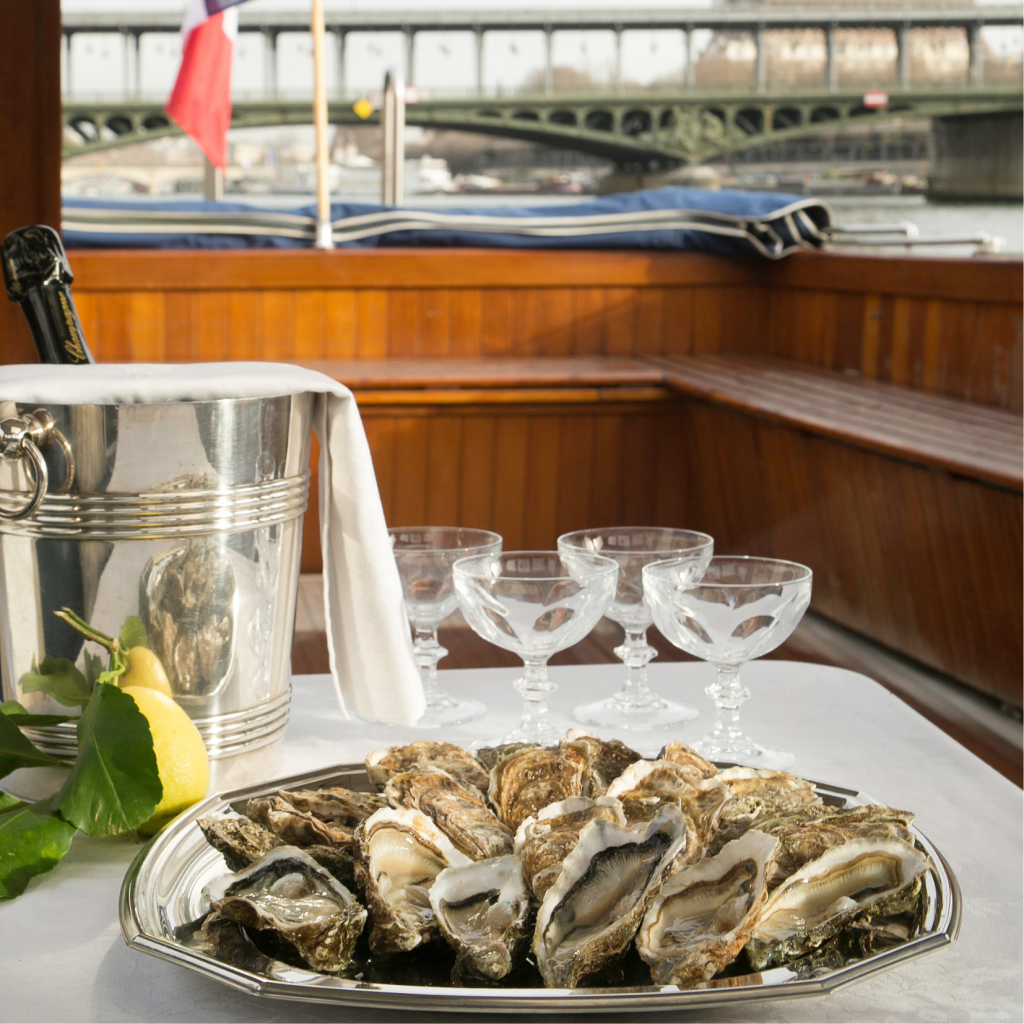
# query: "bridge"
{"type": "Point", "coordinates": [757, 20]}
{"type": "Point", "coordinates": [642, 130]}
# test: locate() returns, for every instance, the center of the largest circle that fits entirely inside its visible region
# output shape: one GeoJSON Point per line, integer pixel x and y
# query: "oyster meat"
{"type": "Point", "coordinates": [608, 758]}
{"type": "Point", "coordinates": [528, 780]}
{"type": "Point", "coordinates": [460, 813]}
{"type": "Point", "coordinates": [289, 894]}
{"type": "Point", "coordinates": [337, 805]}
{"type": "Point", "coordinates": [545, 840]}
{"type": "Point", "coordinates": [241, 842]}
{"type": "Point", "coordinates": [647, 786]}
{"type": "Point", "coordinates": [458, 763]}
{"type": "Point", "coordinates": [482, 910]}
{"type": "Point", "coordinates": [819, 899]}
{"type": "Point", "coordinates": [399, 853]}
{"type": "Point", "coordinates": [591, 913]}
{"type": "Point", "coordinates": [329, 845]}
{"type": "Point", "coordinates": [704, 913]}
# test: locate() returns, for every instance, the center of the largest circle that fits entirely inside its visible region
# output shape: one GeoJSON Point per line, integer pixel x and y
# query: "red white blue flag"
{"type": "Point", "coordinates": [201, 99]}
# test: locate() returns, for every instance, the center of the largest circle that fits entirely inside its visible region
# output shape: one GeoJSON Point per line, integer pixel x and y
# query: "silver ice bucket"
{"type": "Point", "coordinates": [186, 514]}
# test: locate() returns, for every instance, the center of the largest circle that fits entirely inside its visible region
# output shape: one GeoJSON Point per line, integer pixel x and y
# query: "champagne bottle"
{"type": "Point", "coordinates": [38, 276]}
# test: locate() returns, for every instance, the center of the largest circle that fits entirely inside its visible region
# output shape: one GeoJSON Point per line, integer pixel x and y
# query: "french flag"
{"type": "Point", "coordinates": [201, 100]}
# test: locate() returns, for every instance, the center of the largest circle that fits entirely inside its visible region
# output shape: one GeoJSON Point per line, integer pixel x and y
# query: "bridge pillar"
{"type": "Point", "coordinates": [270, 63]}
{"type": "Point", "coordinates": [132, 68]}
{"type": "Point", "coordinates": [618, 58]}
{"type": "Point", "coordinates": [549, 71]}
{"type": "Point", "coordinates": [903, 56]}
{"type": "Point", "coordinates": [761, 60]}
{"type": "Point", "coordinates": [479, 33]}
{"type": "Point", "coordinates": [975, 56]}
{"type": "Point", "coordinates": [65, 62]}
{"type": "Point", "coordinates": [831, 65]}
{"type": "Point", "coordinates": [410, 53]}
{"type": "Point", "coordinates": [691, 75]}
{"type": "Point", "coordinates": [341, 43]}
{"type": "Point", "coordinates": [977, 157]}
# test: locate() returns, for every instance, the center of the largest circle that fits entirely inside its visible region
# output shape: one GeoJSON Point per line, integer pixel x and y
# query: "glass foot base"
{"type": "Point", "coordinates": [546, 736]}
{"type": "Point", "coordinates": [611, 712]}
{"type": "Point", "coordinates": [449, 711]}
{"type": "Point", "coordinates": [753, 755]}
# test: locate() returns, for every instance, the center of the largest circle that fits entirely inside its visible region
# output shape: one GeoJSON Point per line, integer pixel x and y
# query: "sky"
{"type": "Point", "coordinates": [444, 62]}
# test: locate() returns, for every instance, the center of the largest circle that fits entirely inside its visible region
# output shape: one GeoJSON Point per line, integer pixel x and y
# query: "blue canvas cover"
{"type": "Point", "coordinates": [731, 223]}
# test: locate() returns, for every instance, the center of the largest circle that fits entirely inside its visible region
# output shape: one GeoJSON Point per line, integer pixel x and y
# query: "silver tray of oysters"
{"type": "Point", "coordinates": [539, 879]}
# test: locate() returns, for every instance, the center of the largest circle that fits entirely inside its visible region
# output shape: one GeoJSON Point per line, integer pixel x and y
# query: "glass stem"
{"type": "Point", "coordinates": [534, 687]}
{"type": "Point", "coordinates": [728, 695]}
{"type": "Point", "coordinates": [428, 652]}
{"type": "Point", "coordinates": [635, 653]}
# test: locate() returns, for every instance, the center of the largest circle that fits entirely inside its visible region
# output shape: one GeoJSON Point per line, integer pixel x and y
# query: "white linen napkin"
{"type": "Point", "coordinates": [368, 633]}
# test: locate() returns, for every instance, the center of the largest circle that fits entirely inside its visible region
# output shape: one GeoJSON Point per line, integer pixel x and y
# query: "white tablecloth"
{"type": "Point", "coordinates": [64, 960]}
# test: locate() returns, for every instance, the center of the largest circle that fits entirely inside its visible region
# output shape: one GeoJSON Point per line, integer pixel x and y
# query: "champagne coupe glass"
{"type": "Point", "coordinates": [740, 609]}
{"type": "Point", "coordinates": [633, 547]}
{"type": "Point", "coordinates": [425, 556]}
{"type": "Point", "coordinates": [534, 603]}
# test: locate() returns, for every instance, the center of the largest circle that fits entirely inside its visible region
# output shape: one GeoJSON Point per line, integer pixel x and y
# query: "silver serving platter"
{"type": "Point", "coordinates": [161, 897]}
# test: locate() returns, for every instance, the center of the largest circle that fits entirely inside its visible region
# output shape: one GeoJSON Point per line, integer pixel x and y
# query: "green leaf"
{"type": "Point", "coordinates": [133, 633]}
{"type": "Point", "coordinates": [10, 803]}
{"type": "Point", "coordinates": [114, 786]}
{"type": "Point", "coordinates": [14, 710]}
{"type": "Point", "coordinates": [32, 841]}
{"type": "Point", "coordinates": [93, 668]}
{"type": "Point", "coordinates": [16, 751]}
{"type": "Point", "coordinates": [60, 679]}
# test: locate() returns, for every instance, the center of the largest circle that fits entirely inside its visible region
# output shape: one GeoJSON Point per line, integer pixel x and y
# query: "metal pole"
{"type": "Point", "coordinates": [691, 75]}
{"type": "Point", "coordinates": [760, 60]}
{"type": "Point", "coordinates": [479, 33]}
{"type": "Point", "coordinates": [341, 38]}
{"type": "Point", "coordinates": [903, 56]}
{"type": "Point", "coordinates": [269, 63]}
{"type": "Point", "coordinates": [393, 126]}
{"type": "Point", "coordinates": [975, 57]}
{"type": "Point", "coordinates": [549, 71]}
{"type": "Point", "coordinates": [618, 58]}
{"type": "Point", "coordinates": [324, 238]}
{"type": "Point", "coordinates": [65, 62]}
{"type": "Point", "coordinates": [410, 46]}
{"type": "Point", "coordinates": [136, 47]}
{"type": "Point", "coordinates": [831, 67]}
{"type": "Point", "coordinates": [213, 182]}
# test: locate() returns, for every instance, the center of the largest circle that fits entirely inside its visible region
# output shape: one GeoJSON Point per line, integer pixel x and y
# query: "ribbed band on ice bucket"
{"type": "Point", "coordinates": [164, 513]}
{"type": "Point", "coordinates": [224, 735]}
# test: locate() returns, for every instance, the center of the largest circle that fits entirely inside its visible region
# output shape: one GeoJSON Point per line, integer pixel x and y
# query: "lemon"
{"type": "Point", "coordinates": [145, 669]}
{"type": "Point", "coordinates": [181, 759]}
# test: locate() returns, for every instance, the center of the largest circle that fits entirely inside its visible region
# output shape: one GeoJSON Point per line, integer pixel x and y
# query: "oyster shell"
{"type": "Point", "coordinates": [592, 911]}
{"type": "Point", "coordinates": [460, 813]}
{"type": "Point", "coordinates": [646, 786]}
{"type": "Point", "coordinates": [819, 899]}
{"type": "Point", "coordinates": [288, 893]}
{"type": "Point", "coordinates": [490, 756]}
{"type": "Point", "coordinates": [527, 780]}
{"type": "Point", "coordinates": [545, 840]}
{"type": "Point", "coordinates": [458, 763]}
{"type": "Point", "coordinates": [704, 913]}
{"type": "Point", "coordinates": [399, 853]}
{"type": "Point", "coordinates": [337, 805]}
{"type": "Point", "coordinates": [482, 910]}
{"type": "Point", "coordinates": [329, 845]}
{"type": "Point", "coordinates": [677, 753]}
{"type": "Point", "coordinates": [242, 842]}
{"type": "Point", "coordinates": [608, 758]}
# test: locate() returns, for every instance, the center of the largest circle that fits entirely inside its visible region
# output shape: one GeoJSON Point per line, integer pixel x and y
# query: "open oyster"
{"type": "Point", "coordinates": [328, 844]}
{"type": "Point", "coordinates": [819, 899]}
{"type": "Point", "coordinates": [460, 813]}
{"type": "Point", "coordinates": [544, 841]}
{"type": "Point", "coordinates": [647, 786]}
{"type": "Point", "coordinates": [704, 913]}
{"type": "Point", "coordinates": [458, 763]}
{"type": "Point", "coordinates": [608, 758]}
{"type": "Point", "coordinates": [678, 753]}
{"type": "Point", "coordinates": [592, 911]}
{"type": "Point", "coordinates": [527, 780]}
{"type": "Point", "coordinates": [399, 853]}
{"type": "Point", "coordinates": [288, 893]}
{"type": "Point", "coordinates": [337, 805]}
{"type": "Point", "coordinates": [482, 909]}
{"type": "Point", "coordinates": [241, 841]}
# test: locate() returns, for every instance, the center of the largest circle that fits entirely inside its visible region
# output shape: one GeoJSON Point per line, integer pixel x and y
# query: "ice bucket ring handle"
{"type": "Point", "coordinates": [24, 435]}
